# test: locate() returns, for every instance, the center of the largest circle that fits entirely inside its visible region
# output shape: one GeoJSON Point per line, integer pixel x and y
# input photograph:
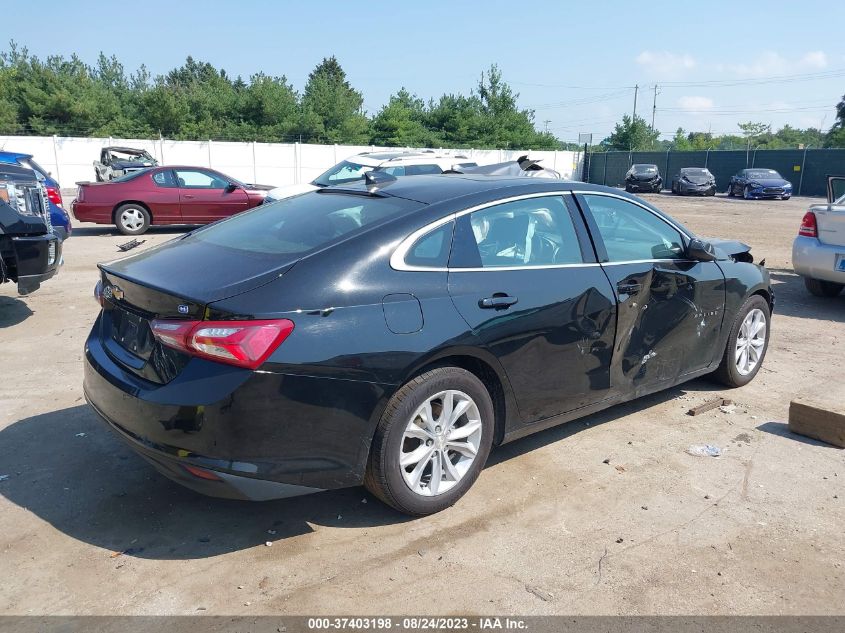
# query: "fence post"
{"type": "Point", "coordinates": [803, 162]}
{"type": "Point", "coordinates": [667, 162]}
{"type": "Point", "coordinates": [161, 147]}
{"type": "Point", "coordinates": [604, 179]}
{"type": "Point", "coordinates": [56, 158]}
{"type": "Point", "coordinates": [254, 166]}
{"type": "Point", "coordinates": [754, 157]}
{"type": "Point", "coordinates": [209, 152]}
{"type": "Point", "coordinates": [706, 158]}
{"type": "Point", "coordinates": [296, 163]}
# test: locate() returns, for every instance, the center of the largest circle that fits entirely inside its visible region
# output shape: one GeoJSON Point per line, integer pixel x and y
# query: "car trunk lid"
{"type": "Point", "coordinates": [830, 223]}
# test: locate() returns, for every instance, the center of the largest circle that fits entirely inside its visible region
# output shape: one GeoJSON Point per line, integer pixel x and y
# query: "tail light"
{"type": "Point", "coordinates": [808, 225]}
{"type": "Point", "coordinates": [54, 195]}
{"type": "Point", "coordinates": [241, 343]}
{"type": "Point", "coordinates": [98, 293]}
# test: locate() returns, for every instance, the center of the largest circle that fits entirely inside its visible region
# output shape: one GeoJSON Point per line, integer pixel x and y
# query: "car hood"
{"type": "Point", "coordinates": [726, 249]}
{"type": "Point", "coordinates": [289, 191]}
{"type": "Point", "coordinates": [697, 179]}
{"type": "Point", "coordinates": [183, 267]}
{"type": "Point", "coordinates": [771, 182]}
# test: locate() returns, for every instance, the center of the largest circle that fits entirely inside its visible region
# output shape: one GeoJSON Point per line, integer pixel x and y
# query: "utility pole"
{"type": "Point", "coordinates": [636, 90]}
{"type": "Point", "coordinates": [546, 126]}
{"type": "Point", "coordinates": [654, 110]}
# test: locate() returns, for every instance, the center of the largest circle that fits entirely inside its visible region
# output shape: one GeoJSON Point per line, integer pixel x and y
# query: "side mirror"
{"type": "Point", "coordinates": [231, 187]}
{"type": "Point", "coordinates": [700, 250]}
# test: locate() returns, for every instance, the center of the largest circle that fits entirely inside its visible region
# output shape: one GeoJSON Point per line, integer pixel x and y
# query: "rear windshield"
{"type": "Point", "coordinates": [342, 173]}
{"type": "Point", "coordinates": [132, 175]}
{"type": "Point", "coordinates": [301, 224]}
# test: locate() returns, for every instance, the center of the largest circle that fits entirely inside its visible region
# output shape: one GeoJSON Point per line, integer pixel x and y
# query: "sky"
{"type": "Point", "coordinates": [574, 63]}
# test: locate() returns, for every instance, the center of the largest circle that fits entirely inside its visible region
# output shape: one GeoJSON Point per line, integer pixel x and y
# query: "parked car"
{"type": "Point", "coordinates": [390, 332]}
{"type": "Point", "coordinates": [643, 177]}
{"type": "Point", "coordinates": [59, 218]}
{"type": "Point", "coordinates": [165, 195]}
{"type": "Point", "coordinates": [759, 183]}
{"type": "Point", "coordinates": [116, 162]}
{"type": "Point", "coordinates": [353, 169]}
{"type": "Point", "coordinates": [29, 251]}
{"type": "Point", "coordinates": [818, 253]}
{"type": "Point", "coordinates": [694, 180]}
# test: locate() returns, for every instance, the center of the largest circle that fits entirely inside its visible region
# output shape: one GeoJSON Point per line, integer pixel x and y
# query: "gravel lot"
{"type": "Point", "coordinates": [548, 528]}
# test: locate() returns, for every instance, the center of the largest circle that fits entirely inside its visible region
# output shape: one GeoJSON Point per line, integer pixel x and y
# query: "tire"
{"type": "Point", "coordinates": [388, 480]}
{"type": "Point", "coordinates": [746, 193]}
{"type": "Point", "coordinates": [729, 372]}
{"type": "Point", "coordinates": [730, 190]}
{"type": "Point", "coordinates": [821, 288]}
{"type": "Point", "coordinates": [786, 197]}
{"type": "Point", "coordinates": [132, 219]}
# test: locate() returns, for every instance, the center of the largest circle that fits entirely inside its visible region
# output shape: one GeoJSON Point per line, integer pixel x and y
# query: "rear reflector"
{"type": "Point", "coordinates": [242, 343]}
{"type": "Point", "coordinates": [201, 473]}
{"type": "Point", "coordinates": [808, 225]}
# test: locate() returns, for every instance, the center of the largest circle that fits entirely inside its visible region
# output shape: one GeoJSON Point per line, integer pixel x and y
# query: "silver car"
{"type": "Point", "coordinates": [818, 253]}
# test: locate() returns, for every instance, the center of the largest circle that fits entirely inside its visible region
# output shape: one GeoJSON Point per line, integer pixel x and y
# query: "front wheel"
{"type": "Point", "coordinates": [746, 193]}
{"type": "Point", "coordinates": [132, 219]}
{"type": "Point", "coordinates": [821, 288]}
{"type": "Point", "coordinates": [730, 191]}
{"type": "Point", "coordinates": [747, 343]}
{"type": "Point", "coordinates": [432, 441]}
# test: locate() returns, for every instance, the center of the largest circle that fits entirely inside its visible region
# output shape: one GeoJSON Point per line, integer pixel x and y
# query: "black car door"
{"type": "Point", "coordinates": [670, 308]}
{"type": "Point", "coordinates": [523, 275]}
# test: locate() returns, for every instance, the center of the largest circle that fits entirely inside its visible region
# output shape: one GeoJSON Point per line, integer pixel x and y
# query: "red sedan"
{"type": "Point", "coordinates": [165, 195]}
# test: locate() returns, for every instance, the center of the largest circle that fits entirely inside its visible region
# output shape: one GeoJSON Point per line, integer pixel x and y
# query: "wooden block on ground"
{"type": "Point", "coordinates": [817, 418]}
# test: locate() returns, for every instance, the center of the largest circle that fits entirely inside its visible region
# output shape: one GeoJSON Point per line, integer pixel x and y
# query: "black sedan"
{"type": "Point", "coordinates": [391, 332]}
{"type": "Point", "coordinates": [643, 177]}
{"type": "Point", "coordinates": [694, 181]}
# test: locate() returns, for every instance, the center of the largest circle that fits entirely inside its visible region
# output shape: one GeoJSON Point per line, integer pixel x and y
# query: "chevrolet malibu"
{"type": "Point", "coordinates": [164, 195]}
{"type": "Point", "coordinates": [391, 332]}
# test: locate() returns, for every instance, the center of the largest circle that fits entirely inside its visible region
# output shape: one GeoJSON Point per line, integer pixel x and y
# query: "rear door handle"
{"type": "Point", "coordinates": [497, 302]}
{"type": "Point", "coordinates": [628, 287]}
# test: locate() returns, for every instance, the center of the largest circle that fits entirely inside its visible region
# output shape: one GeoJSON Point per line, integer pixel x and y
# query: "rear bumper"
{"type": "Point", "coordinates": [92, 212]}
{"type": "Point", "coordinates": [811, 258]}
{"type": "Point", "coordinates": [263, 435]}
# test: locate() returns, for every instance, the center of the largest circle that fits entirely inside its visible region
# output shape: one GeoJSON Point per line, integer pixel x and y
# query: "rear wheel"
{"type": "Point", "coordinates": [821, 288]}
{"type": "Point", "coordinates": [132, 219]}
{"type": "Point", "coordinates": [747, 343]}
{"type": "Point", "coordinates": [432, 441]}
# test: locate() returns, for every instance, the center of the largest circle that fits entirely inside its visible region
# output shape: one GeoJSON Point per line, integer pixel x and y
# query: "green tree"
{"type": "Point", "coordinates": [632, 135]}
{"type": "Point", "coordinates": [331, 107]}
{"type": "Point", "coordinates": [836, 135]}
{"type": "Point", "coordinates": [401, 122]}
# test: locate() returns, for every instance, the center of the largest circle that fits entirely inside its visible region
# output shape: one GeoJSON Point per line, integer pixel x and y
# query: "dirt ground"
{"type": "Point", "coordinates": [547, 529]}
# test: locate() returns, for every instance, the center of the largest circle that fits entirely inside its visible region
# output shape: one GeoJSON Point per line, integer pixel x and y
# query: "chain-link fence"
{"type": "Point", "coordinates": [807, 170]}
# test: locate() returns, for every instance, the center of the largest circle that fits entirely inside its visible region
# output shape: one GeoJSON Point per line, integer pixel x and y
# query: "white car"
{"type": "Point", "coordinates": [394, 163]}
{"type": "Point", "coordinates": [818, 253]}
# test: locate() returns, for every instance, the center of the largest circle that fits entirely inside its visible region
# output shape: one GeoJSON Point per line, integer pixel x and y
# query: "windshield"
{"type": "Point", "coordinates": [341, 173]}
{"type": "Point", "coordinates": [305, 223]}
{"type": "Point", "coordinates": [696, 172]}
{"type": "Point", "coordinates": [134, 158]}
{"type": "Point", "coordinates": [644, 169]}
{"type": "Point", "coordinates": [763, 173]}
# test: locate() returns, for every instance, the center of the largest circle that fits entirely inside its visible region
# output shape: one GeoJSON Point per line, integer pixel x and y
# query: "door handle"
{"type": "Point", "coordinates": [188, 196]}
{"type": "Point", "coordinates": [628, 287]}
{"type": "Point", "coordinates": [497, 302]}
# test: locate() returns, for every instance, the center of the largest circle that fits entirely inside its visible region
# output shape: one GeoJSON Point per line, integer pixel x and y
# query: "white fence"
{"type": "Point", "coordinates": [70, 159]}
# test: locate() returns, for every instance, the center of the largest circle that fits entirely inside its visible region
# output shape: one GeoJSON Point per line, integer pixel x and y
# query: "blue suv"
{"type": "Point", "coordinates": [58, 216]}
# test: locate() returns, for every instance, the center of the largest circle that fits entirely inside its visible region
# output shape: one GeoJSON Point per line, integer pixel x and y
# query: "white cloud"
{"type": "Point", "coordinates": [695, 103]}
{"type": "Point", "coordinates": [772, 63]}
{"type": "Point", "coordinates": [664, 63]}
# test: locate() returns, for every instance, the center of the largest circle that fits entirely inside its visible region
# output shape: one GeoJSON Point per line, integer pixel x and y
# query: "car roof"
{"type": "Point", "coordinates": [14, 157]}
{"type": "Point", "coordinates": [126, 150]}
{"type": "Point", "coordinates": [376, 159]}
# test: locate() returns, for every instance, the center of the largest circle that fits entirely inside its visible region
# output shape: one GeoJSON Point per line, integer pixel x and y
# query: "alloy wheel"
{"type": "Point", "coordinates": [750, 341]}
{"type": "Point", "coordinates": [440, 443]}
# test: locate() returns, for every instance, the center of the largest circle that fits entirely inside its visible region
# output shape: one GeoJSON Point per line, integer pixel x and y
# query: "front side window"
{"type": "Point", "coordinates": [631, 233]}
{"type": "Point", "coordinates": [196, 179]}
{"type": "Point", "coordinates": [530, 232]}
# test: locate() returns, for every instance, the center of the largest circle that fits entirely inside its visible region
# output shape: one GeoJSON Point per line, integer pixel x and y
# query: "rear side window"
{"type": "Point", "coordinates": [432, 249]}
{"type": "Point", "coordinates": [164, 179]}
{"type": "Point", "coordinates": [524, 233]}
{"type": "Point", "coordinates": [305, 223]}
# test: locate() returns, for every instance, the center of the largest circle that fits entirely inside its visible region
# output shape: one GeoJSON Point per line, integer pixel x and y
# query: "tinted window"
{"type": "Point", "coordinates": [631, 233]}
{"type": "Point", "coordinates": [343, 172]}
{"type": "Point", "coordinates": [28, 162]}
{"type": "Point", "coordinates": [164, 179]}
{"type": "Point", "coordinates": [417, 170]}
{"type": "Point", "coordinates": [532, 232]}
{"type": "Point", "coordinates": [644, 169]}
{"type": "Point", "coordinates": [696, 172]}
{"type": "Point", "coordinates": [298, 225]}
{"type": "Point", "coordinates": [432, 249]}
{"type": "Point", "coordinates": [761, 173]}
{"type": "Point", "coordinates": [196, 179]}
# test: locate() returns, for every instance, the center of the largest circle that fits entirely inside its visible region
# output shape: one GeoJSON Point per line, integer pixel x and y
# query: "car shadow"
{"type": "Point", "coordinates": [793, 299]}
{"type": "Point", "coordinates": [13, 311]}
{"type": "Point", "coordinates": [71, 471]}
{"type": "Point", "coordinates": [111, 231]}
